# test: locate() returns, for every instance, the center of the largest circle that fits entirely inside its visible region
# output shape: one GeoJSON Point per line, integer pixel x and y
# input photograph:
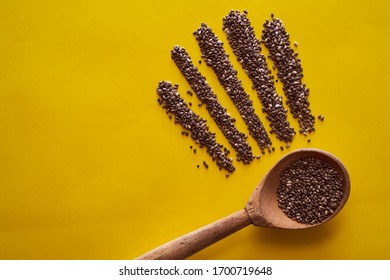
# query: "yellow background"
{"type": "Point", "coordinates": [92, 168]}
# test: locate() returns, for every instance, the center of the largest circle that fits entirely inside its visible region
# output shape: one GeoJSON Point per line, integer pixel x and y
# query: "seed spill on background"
{"type": "Point", "coordinates": [171, 101]}
{"type": "Point", "coordinates": [216, 57]}
{"type": "Point", "coordinates": [310, 190]}
{"type": "Point", "coordinates": [289, 71]}
{"type": "Point", "coordinates": [206, 95]}
{"type": "Point", "coordinates": [246, 47]}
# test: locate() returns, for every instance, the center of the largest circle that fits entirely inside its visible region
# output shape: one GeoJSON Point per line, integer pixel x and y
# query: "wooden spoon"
{"type": "Point", "coordinates": [261, 210]}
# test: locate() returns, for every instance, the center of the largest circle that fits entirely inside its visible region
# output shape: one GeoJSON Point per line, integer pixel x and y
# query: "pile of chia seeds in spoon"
{"type": "Point", "coordinates": [310, 190]}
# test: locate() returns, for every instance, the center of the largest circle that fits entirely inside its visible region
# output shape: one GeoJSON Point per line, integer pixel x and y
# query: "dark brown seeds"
{"type": "Point", "coordinates": [206, 95]}
{"type": "Point", "coordinates": [215, 56]}
{"type": "Point", "coordinates": [310, 190]}
{"type": "Point", "coordinates": [246, 47]}
{"type": "Point", "coordinates": [172, 102]}
{"type": "Point", "coordinates": [289, 71]}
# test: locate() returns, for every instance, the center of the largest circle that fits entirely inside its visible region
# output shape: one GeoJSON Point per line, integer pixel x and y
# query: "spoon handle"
{"type": "Point", "coordinates": [187, 245]}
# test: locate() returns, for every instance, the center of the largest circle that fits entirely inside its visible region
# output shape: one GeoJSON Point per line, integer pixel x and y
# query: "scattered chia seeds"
{"type": "Point", "coordinates": [172, 102]}
{"type": "Point", "coordinates": [310, 190]}
{"type": "Point", "coordinates": [289, 71]}
{"type": "Point", "coordinates": [215, 56]}
{"type": "Point", "coordinates": [246, 47]}
{"type": "Point", "coordinates": [206, 95]}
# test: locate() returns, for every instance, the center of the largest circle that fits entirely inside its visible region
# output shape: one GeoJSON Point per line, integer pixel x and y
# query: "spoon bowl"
{"type": "Point", "coordinates": [261, 210]}
{"type": "Point", "coordinates": [262, 206]}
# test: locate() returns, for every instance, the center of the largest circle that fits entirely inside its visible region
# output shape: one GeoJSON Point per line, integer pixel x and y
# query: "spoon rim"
{"type": "Point", "coordinates": [264, 196]}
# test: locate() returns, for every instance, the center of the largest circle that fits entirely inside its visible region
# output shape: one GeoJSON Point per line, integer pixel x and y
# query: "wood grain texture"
{"type": "Point", "coordinates": [199, 239]}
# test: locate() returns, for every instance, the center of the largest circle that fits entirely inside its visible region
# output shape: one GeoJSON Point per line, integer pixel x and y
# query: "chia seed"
{"type": "Point", "coordinates": [206, 95]}
{"type": "Point", "coordinates": [310, 190]}
{"type": "Point", "coordinates": [173, 103]}
{"type": "Point", "coordinates": [289, 72]}
{"type": "Point", "coordinates": [246, 47]}
{"type": "Point", "coordinates": [215, 57]}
